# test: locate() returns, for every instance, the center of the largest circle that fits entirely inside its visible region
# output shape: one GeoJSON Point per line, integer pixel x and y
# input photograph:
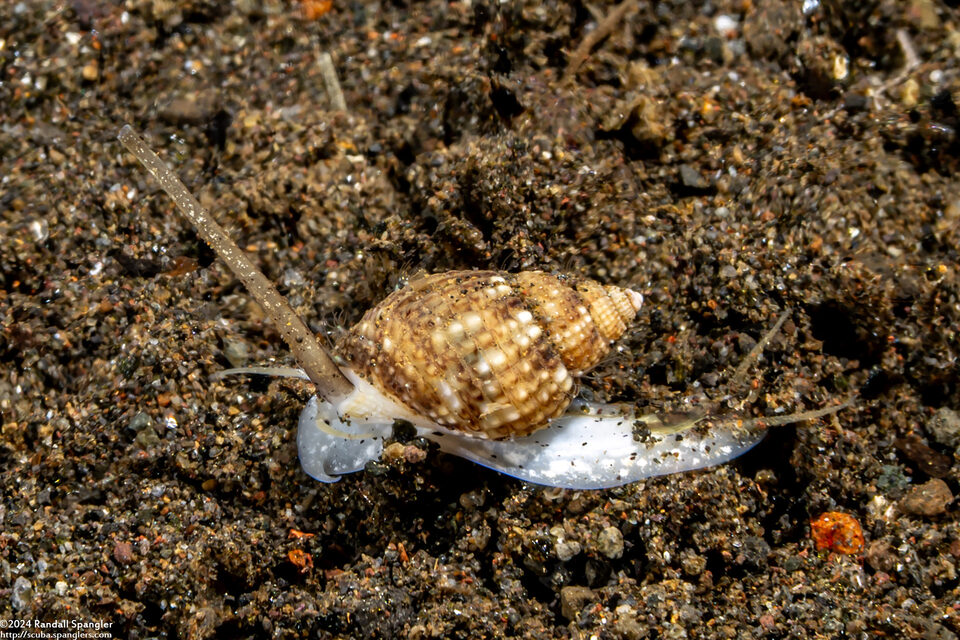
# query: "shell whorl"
{"type": "Point", "coordinates": [487, 353]}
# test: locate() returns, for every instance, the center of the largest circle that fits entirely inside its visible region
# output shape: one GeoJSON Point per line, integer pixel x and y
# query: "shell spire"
{"type": "Point", "coordinates": [490, 354]}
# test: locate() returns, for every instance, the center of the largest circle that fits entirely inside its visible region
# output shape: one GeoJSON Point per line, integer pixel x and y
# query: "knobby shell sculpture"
{"type": "Point", "coordinates": [484, 363]}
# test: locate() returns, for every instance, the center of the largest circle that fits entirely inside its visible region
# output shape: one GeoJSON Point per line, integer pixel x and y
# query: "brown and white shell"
{"type": "Point", "coordinates": [488, 353]}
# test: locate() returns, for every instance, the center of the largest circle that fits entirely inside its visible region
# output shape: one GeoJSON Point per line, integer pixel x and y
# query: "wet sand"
{"type": "Point", "coordinates": [730, 160]}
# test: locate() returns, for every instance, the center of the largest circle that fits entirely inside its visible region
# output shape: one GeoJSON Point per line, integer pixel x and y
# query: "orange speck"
{"type": "Point", "coordinates": [295, 534]}
{"type": "Point", "coordinates": [313, 9]}
{"type": "Point", "coordinates": [835, 531]}
{"type": "Point", "coordinates": [403, 552]}
{"type": "Point", "coordinates": [183, 265]}
{"type": "Point", "coordinates": [301, 559]}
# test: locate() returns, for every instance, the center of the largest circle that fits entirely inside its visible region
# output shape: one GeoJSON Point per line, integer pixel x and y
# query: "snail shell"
{"type": "Point", "coordinates": [490, 354]}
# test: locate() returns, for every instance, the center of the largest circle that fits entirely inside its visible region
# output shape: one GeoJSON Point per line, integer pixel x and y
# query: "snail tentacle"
{"type": "Point", "coordinates": [277, 372]}
{"type": "Point", "coordinates": [308, 351]}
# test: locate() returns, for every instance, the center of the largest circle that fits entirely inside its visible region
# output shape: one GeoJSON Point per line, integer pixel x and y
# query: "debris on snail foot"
{"type": "Point", "coordinates": [484, 363]}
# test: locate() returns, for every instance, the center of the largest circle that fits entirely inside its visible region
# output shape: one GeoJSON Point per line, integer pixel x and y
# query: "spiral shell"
{"type": "Point", "coordinates": [487, 353]}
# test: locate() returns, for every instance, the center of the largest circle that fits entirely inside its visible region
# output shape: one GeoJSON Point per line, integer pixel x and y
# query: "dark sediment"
{"type": "Point", "coordinates": [729, 160]}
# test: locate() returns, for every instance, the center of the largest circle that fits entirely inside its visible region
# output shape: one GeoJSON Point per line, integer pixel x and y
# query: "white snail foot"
{"type": "Point", "coordinates": [587, 448]}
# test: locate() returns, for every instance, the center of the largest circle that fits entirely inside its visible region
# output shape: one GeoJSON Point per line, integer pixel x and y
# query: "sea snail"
{"type": "Point", "coordinates": [484, 363]}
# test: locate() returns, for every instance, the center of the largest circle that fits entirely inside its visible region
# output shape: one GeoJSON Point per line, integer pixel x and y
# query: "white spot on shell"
{"type": "Point", "coordinates": [450, 398]}
{"type": "Point", "coordinates": [496, 358]}
{"type": "Point", "coordinates": [482, 367]}
{"type": "Point", "coordinates": [473, 322]}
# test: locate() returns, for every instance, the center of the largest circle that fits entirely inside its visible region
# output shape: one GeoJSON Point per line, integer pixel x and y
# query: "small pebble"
{"type": "Point", "coordinates": [566, 549]}
{"type": "Point", "coordinates": [880, 556]}
{"type": "Point", "coordinates": [236, 352]}
{"type": "Point", "coordinates": [691, 178]}
{"type": "Point", "coordinates": [693, 564]}
{"type": "Point", "coordinates": [854, 101]}
{"type": "Point", "coordinates": [726, 25]}
{"type": "Point", "coordinates": [393, 452]}
{"type": "Point", "coordinates": [910, 93]}
{"type": "Point", "coordinates": [837, 532]}
{"type": "Point", "coordinates": [610, 542]}
{"type": "Point", "coordinates": [414, 454]}
{"type": "Point", "coordinates": [22, 593]}
{"type": "Point", "coordinates": [626, 625]}
{"type": "Point", "coordinates": [123, 552]}
{"type": "Point", "coordinates": [945, 427]}
{"type": "Point", "coordinates": [90, 71]}
{"type": "Point", "coordinates": [140, 421]}
{"type": "Point", "coordinates": [929, 499]}
{"type": "Point", "coordinates": [754, 552]}
{"type": "Point", "coordinates": [931, 462]}
{"type": "Point", "coordinates": [574, 599]}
